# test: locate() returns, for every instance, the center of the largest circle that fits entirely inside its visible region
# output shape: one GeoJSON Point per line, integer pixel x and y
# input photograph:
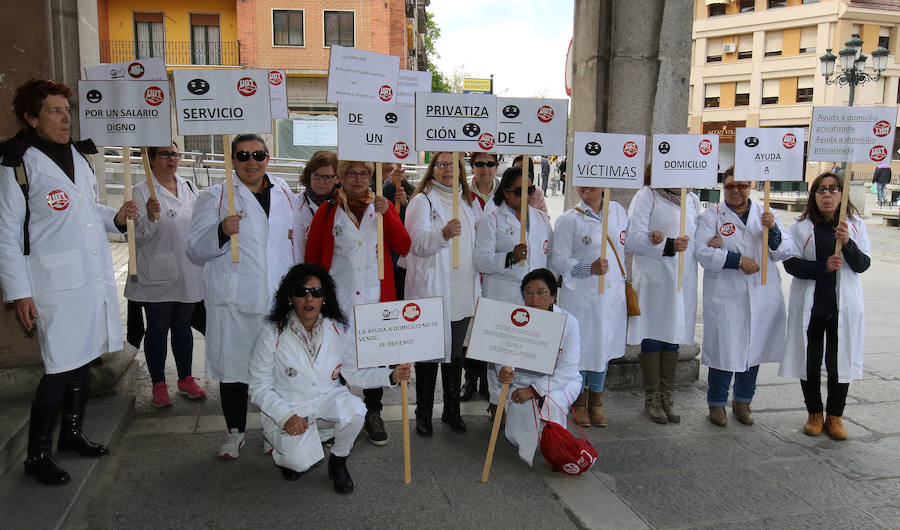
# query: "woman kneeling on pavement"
{"type": "Point", "coordinates": [296, 368]}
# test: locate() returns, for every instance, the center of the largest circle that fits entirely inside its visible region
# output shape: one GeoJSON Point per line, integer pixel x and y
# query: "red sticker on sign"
{"type": "Point", "coordinates": [58, 200]}
{"type": "Point", "coordinates": [630, 149]}
{"type": "Point", "coordinates": [401, 150]}
{"type": "Point", "coordinates": [789, 140]}
{"type": "Point", "coordinates": [154, 95]}
{"type": "Point", "coordinates": [520, 317]}
{"type": "Point", "coordinates": [411, 312]}
{"type": "Point", "coordinates": [878, 153]}
{"type": "Point", "coordinates": [882, 128]}
{"type": "Point", "coordinates": [385, 93]}
{"type": "Point", "coordinates": [275, 78]}
{"type": "Point", "coordinates": [545, 113]}
{"type": "Point", "coordinates": [705, 147]}
{"type": "Point", "coordinates": [486, 141]}
{"type": "Point", "coordinates": [727, 229]}
{"type": "Point", "coordinates": [136, 70]}
{"type": "Point", "coordinates": [246, 86]}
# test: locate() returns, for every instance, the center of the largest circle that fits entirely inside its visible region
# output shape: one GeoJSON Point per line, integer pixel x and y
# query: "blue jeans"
{"type": "Point", "coordinates": [593, 380]}
{"type": "Point", "coordinates": [652, 345]}
{"type": "Point", "coordinates": [720, 381]}
{"type": "Point", "coordinates": [879, 186]}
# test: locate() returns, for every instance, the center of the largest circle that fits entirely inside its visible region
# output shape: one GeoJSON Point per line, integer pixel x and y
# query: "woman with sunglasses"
{"type": "Point", "coordinates": [499, 256]}
{"type": "Point", "coordinates": [536, 199]}
{"type": "Point", "coordinates": [825, 306]}
{"type": "Point", "coordinates": [168, 284]}
{"type": "Point", "coordinates": [484, 177]}
{"type": "Point", "coordinates": [430, 272]}
{"type": "Point", "coordinates": [319, 179]}
{"type": "Point", "coordinates": [300, 356]}
{"type": "Point", "coordinates": [735, 303]}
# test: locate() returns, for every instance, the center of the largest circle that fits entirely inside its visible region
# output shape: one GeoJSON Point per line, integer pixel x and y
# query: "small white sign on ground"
{"type": "Point", "coordinates": [608, 160]}
{"type": "Point", "coordinates": [125, 112]}
{"type": "Point", "coordinates": [375, 133]}
{"type": "Point", "coordinates": [278, 94]}
{"type": "Point", "coordinates": [685, 160]}
{"type": "Point", "coordinates": [409, 82]}
{"type": "Point", "coordinates": [852, 134]}
{"type": "Point", "coordinates": [152, 69]}
{"type": "Point", "coordinates": [399, 332]}
{"type": "Point", "coordinates": [532, 126]}
{"type": "Point", "coordinates": [517, 336]}
{"type": "Point", "coordinates": [456, 122]}
{"type": "Point", "coordinates": [768, 153]}
{"type": "Point", "coordinates": [360, 75]}
{"type": "Point", "coordinates": [222, 101]}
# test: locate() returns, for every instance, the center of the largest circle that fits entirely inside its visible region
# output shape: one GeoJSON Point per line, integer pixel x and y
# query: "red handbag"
{"type": "Point", "coordinates": [564, 452]}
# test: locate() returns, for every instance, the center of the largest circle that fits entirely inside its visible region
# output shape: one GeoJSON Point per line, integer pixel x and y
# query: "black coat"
{"type": "Point", "coordinates": [882, 175]}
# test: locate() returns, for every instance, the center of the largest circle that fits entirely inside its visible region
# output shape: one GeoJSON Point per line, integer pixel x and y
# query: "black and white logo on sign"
{"type": "Point", "coordinates": [592, 148]}
{"type": "Point", "coordinates": [751, 141]}
{"type": "Point", "coordinates": [94, 96]}
{"type": "Point", "coordinates": [390, 117]}
{"type": "Point", "coordinates": [198, 87]}
{"type": "Point", "coordinates": [664, 147]}
{"type": "Point", "coordinates": [471, 129]}
{"type": "Point", "coordinates": [511, 111]}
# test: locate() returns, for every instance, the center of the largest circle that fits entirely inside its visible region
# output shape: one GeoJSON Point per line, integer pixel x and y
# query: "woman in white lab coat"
{"type": "Point", "coordinates": [319, 178]}
{"type": "Point", "coordinates": [668, 315]}
{"type": "Point", "coordinates": [239, 295]}
{"type": "Point", "coordinates": [168, 284]}
{"type": "Point", "coordinates": [577, 242]}
{"type": "Point", "coordinates": [826, 309]}
{"type": "Point", "coordinates": [743, 320]}
{"type": "Point", "coordinates": [533, 395]}
{"type": "Point", "coordinates": [56, 267]}
{"type": "Point", "coordinates": [430, 272]}
{"type": "Point", "coordinates": [298, 360]}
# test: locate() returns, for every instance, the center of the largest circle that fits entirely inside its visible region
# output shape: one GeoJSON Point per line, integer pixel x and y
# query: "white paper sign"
{"type": "Point", "coordinates": [153, 69]}
{"type": "Point", "coordinates": [608, 160]}
{"type": "Point", "coordinates": [532, 126]}
{"type": "Point", "coordinates": [456, 122]}
{"type": "Point", "coordinates": [315, 133]}
{"type": "Point", "coordinates": [685, 160]}
{"type": "Point", "coordinates": [360, 75]}
{"type": "Point", "coordinates": [278, 94]}
{"type": "Point", "coordinates": [125, 112]}
{"type": "Point", "coordinates": [517, 336]}
{"type": "Point", "coordinates": [852, 134]}
{"type": "Point", "coordinates": [408, 83]}
{"type": "Point", "coordinates": [768, 153]}
{"type": "Point", "coordinates": [399, 332]}
{"type": "Point", "coordinates": [222, 101]}
{"type": "Point", "coordinates": [375, 132]}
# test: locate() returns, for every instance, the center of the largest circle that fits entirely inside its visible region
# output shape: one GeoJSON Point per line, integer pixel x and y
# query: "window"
{"type": "Point", "coordinates": [287, 27]}
{"type": "Point", "coordinates": [339, 28]}
{"type": "Point", "coordinates": [206, 48]}
{"type": "Point", "coordinates": [748, 6]}
{"type": "Point", "coordinates": [745, 47]}
{"type": "Point", "coordinates": [895, 155]}
{"type": "Point", "coordinates": [805, 89]}
{"type": "Point", "coordinates": [884, 38]}
{"type": "Point", "coordinates": [808, 39]}
{"type": "Point", "coordinates": [777, 3]}
{"type": "Point", "coordinates": [773, 43]}
{"type": "Point", "coordinates": [711, 99]}
{"type": "Point", "coordinates": [714, 50]}
{"type": "Point", "coordinates": [810, 1]}
{"type": "Point", "coordinates": [149, 35]}
{"type": "Point", "coordinates": [770, 89]}
{"type": "Point", "coordinates": [716, 10]}
{"type": "Point", "coordinates": [742, 94]}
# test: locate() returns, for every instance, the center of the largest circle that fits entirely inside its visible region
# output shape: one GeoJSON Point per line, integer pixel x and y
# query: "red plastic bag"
{"type": "Point", "coordinates": [564, 452]}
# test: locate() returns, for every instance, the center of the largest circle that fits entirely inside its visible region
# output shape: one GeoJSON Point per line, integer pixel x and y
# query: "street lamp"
{"type": "Point", "coordinates": [853, 64]}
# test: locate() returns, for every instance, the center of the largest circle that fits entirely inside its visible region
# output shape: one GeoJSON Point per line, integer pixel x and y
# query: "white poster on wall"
{"type": "Point", "coordinates": [852, 134]}
{"type": "Point", "coordinates": [404, 331]}
{"type": "Point", "coordinates": [685, 160]}
{"type": "Point", "coordinates": [608, 160]}
{"type": "Point", "coordinates": [152, 69]}
{"type": "Point", "coordinates": [125, 112]}
{"type": "Point", "coordinates": [375, 132]}
{"type": "Point", "coordinates": [222, 101]}
{"type": "Point", "coordinates": [532, 126]}
{"type": "Point", "coordinates": [278, 94]}
{"type": "Point", "coordinates": [315, 133]}
{"type": "Point", "coordinates": [409, 82]}
{"type": "Point", "coordinates": [768, 153]}
{"type": "Point", "coordinates": [456, 122]}
{"type": "Point", "coordinates": [360, 75]}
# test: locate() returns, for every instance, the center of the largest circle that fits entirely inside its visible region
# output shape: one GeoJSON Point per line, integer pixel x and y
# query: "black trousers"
{"type": "Point", "coordinates": [163, 317]}
{"type": "Point", "coordinates": [451, 374]}
{"type": "Point", "coordinates": [822, 337]}
{"type": "Point", "coordinates": [52, 387]}
{"type": "Point", "coordinates": [234, 404]}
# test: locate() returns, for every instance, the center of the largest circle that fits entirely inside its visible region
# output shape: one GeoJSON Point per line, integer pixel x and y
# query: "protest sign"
{"type": "Point", "coordinates": [375, 132]}
{"type": "Point", "coordinates": [222, 101]}
{"type": "Point", "coordinates": [360, 75]}
{"type": "Point", "coordinates": [403, 331]}
{"type": "Point", "coordinates": [456, 122]}
{"type": "Point", "coordinates": [852, 134]}
{"type": "Point", "coordinates": [408, 83]}
{"type": "Point", "coordinates": [278, 94]}
{"type": "Point", "coordinates": [125, 112]}
{"type": "Point", "coordinates": [532, 126]}
{"type": "Point", "coordinates": [151, 69]}
{"type": "Point", "coordinates": [608, 160]}
{"type": "Point", "coordinates": [768, 153]}
{"type": "Point", "coordinates": [685, 160]}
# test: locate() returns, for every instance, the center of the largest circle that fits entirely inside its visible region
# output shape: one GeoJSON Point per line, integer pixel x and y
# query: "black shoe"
{"type": "Point", "coordinates": [454, 420]}
{"type": "Point", "coordinates": [329, 443]}
{"type": "Point", "coordinates": [423, 425]}
{"type": "Point", "coordinates": [40, 463]}
{"type": "Point", "coordinates": [289, 474]}
{"type": "Point", "coordinates": [337, 471]}
{"type": "Point", "coordinates": [71, 434]}
{"type": "Point", "coordinates": [469, 390]}
{"type": "Point", "coordinates": [483, 390]}
{"type": "Point", "coordinates": [374, 426]}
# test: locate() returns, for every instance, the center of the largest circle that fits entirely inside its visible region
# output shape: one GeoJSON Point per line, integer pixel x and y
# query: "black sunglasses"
{"type": "Point", "coordinates": [484, 164]}
{"type": "Point", "coordinates": [259, 155]}
{"type": "Point", "coordinates": [301, 292]}
{"type": "Point", "coordinates": [518, 191]}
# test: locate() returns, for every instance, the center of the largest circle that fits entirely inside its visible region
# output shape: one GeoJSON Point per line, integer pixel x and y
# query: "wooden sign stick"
{"type": "Point", "coordinates": [495, 430]}
{"type": "Point", "coordinates": [764, 266]}
{"type": "Point", "coordinates": [151, 189]}
{"type": "Point", "coordinates": [602, 282]}
{"type": "Point", "coordinates": [681, 232]}
{"type": "Point", "coordinates": [379, 250]}
{"type": "Point", "coordinates": [129, 223]}
{"type": "Point", "coordinates": [455, 207]}
{"type": "Point", "coordinates": [229, 191]}
{"type": "Point", "coordinates": [845, 198]}
{"type": "Point", "coordinates": [404, 398]}
{"type": "Point", "coordinates": [523, 206]}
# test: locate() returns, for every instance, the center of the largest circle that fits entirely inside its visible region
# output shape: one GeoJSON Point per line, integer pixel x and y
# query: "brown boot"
{"type": "Point", "coordinates": [649, 362]}
{"type": "Point", "coordinates": [835, 428]}
{"type": "Point", "coordinates": [814, 424]}
{"type": "Point", "coordinates": [741, 411]}
{"type": "Point", "coordinates": [598, 418]}
{"type": "Point", "coordinates": [580, 410]}
{"type": "Point", "coordinates": [668, 363]}
{"type": "Point", "coordinates": [717, 416]}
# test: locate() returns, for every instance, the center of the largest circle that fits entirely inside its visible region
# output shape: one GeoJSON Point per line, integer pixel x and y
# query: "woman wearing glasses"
{"type": "Point", "coordinates": [319, 178]}
{"type": "Point", "coordinates": [826, 307]}
{"type": "Point", "coordinates": [168, 284]}
{"type": "Point", "coordinates": [743, 320]}
{"type": "Point", "coordinates": [484, 177]}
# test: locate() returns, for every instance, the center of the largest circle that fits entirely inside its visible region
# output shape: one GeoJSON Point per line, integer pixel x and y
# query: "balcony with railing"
{"type": "Point", "coordinates": [199, 53]}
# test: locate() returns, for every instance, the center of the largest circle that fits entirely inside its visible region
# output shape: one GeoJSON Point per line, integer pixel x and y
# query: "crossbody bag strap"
{"type": "Point", "coordinates": [616, 254]}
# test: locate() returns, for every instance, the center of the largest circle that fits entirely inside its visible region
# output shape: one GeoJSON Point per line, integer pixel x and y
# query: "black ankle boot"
{"type": "Point", "coordinates": [423, 423]}
{"type": "Point", "coordinates": [337, 471]}
{"type": "Point", "coordinates": [40, 463]}
{"type": "Point", "coordinates": [289, 474]}
{"type": "Point", "coordinates": [71, 434]}
{"type": "Point", "coordinates": [451, 374]}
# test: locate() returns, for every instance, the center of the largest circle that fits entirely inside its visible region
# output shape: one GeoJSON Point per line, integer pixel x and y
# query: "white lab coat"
{"type": "Point", "coordinates": [559, 390]}
{"type": "Point", "coordinates": [69, 272]}
{"type": "Point", "coordinates": [307, 210]}
{"type": "Point", "coordinates": [743, 320]}
{"type": "Point", "coordinates": [667, 314]}
{"type": "Point", "coordinates": [354, 265]}
{"type": "Point", "coordinates": [165, 273]}
{"type": "Point", "coordinates": [238, 295]}
{"type": "Point", "coordinates": [577, 238]}
{"type": "Point", "coordinates": [851, 307]}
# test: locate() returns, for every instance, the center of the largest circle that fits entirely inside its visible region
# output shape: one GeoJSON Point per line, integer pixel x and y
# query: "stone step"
{"type": "Point", "coordinates": [13, 431]}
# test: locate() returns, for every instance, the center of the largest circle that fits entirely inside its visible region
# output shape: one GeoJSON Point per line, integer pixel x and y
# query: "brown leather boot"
{"type": "Point", "coordinates": [835, 428]}
{"type": "Point", "coordinates": [814, 424]}
{"type": "Point", "coordinates": [741, 411]}
{"type": "Point", "coordinates": [668, 363]}
{"type": "Point", "coordinates": [580, 410]}
{"type": "Point", "coordinates": [598, 417]}
{"type": "Point", "coordinates": [649, 362]}
{"type": "Point", "coordinates": [717, 416]}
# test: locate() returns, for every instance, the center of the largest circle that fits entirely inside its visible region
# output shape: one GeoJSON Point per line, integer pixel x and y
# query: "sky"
{"type": "Point", "coordinates": [522, 42]}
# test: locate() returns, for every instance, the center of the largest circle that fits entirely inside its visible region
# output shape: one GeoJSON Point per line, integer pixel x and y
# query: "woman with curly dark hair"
{"type": "Point", "coordinates": [295, 370]}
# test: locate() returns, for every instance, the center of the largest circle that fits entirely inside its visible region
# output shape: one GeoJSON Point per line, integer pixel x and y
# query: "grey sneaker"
{"type": "Point", "coordinates": [374, 426]}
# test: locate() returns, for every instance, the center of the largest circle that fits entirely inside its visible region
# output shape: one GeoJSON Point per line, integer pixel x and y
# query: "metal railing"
{"type": "Point", "coordinates": [202, 53]}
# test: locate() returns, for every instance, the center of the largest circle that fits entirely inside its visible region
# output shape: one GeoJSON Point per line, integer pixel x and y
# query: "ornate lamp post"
{"type": "Point", "coordinates": [853, 64]}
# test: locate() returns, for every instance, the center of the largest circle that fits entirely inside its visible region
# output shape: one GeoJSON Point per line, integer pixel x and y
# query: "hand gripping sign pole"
{"type": "Point", "coordinates": [682, 233]}
{"type": "Point", "coordinates": [404, 399]}
{"type": "Point", "coordinates": [129, 223]}
{"type": "Point", "coordinates": [151, 189]}
{"type": "Point", "coordinates": [455, 206]}
{"type": "Point", "coordinates": [379, 250]}
{"type": "Point", "coordinates": [495, 430]}
{"type": "Point", "coordinates": [229, 190]}
{"type": "Point", "coordinates": [764, 266]}
{"type": "Point", "coordinates": [605, 227]}
{"type": "Point", "coordinates": [523, 206]}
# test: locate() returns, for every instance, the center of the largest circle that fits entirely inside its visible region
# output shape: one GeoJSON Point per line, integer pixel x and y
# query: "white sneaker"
{"type": "Point", "coordinates": [267, 447]}
{"type": "Point", "coordinates": [231, 447]}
